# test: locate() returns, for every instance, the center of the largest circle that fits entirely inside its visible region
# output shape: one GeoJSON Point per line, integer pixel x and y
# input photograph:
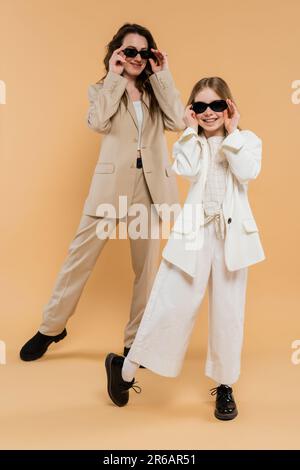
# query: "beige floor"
{"type": "Point", "coordinates": [60, 402]}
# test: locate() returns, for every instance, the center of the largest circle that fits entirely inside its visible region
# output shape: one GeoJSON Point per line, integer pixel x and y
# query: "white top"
{"type": "Point", "coordinates": [139, 114]}
{"type": "Point", "coordinates": [215, 187]}
{"type": "Point", "coordinates": [216, 177]}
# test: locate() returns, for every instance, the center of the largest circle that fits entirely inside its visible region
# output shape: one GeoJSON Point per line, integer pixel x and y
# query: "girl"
{"type": "Point", "coordinates": [213, 241]}
{"type": "Point", "coordinates": [132, 105]}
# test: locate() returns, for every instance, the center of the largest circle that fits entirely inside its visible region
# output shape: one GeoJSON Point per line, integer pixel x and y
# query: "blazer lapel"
{"type": "Point", "coordinates": [146, 114]}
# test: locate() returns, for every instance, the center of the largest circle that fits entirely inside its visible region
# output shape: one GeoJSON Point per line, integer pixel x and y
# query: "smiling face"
{"type": "Point", "coordinates": [134, 65]}
{"type": "Point", "coordinates": [211, 122]}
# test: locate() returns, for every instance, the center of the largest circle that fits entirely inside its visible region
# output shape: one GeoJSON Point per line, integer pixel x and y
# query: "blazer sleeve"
{"type": "Point", "coordinates": [104, 99]}
{"type": "Point", "coordinates": [169, 100]}
{"type": "Point", "coordinates": [243, 150]}
{"type": "Point", "coordinates": [187, 154]}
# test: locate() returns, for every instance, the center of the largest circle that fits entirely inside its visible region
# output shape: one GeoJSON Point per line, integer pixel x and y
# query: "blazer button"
{"type": "Point", "coordinates": [229, 220]}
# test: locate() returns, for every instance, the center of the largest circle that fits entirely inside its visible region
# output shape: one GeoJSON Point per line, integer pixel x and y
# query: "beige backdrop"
{"type": "Point", "coordinates": [50, 51]}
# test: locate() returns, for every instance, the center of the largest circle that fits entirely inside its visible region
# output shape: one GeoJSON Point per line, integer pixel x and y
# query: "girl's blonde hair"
{"type": "Point", "coordinates": [215, 83]}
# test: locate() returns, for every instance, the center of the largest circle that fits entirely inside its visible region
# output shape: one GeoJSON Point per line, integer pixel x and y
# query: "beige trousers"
{"type": "Point", "coordinates": [81, 258]}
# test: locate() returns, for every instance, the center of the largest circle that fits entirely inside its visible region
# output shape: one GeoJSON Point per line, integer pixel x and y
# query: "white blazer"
{"type": "Point", "coordinates": [243, 149]}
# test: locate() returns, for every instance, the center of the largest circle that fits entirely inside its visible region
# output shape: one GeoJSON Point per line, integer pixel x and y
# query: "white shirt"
{"type": "Point", "coordinates": [216, 176]}
{"type": "Point", "coordinates": [139, 114]}
{"type": "Point", "coordinates": [215, 187]}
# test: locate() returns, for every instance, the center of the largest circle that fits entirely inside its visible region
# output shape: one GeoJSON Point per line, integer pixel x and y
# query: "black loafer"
{"type": "Point", "coordinates": [38, 345]}
{"type": "Point", "coordinates": [117, 388]}
{"type": "Point", "coordinates": [226, 408]}
{"type": "Point", "coordinates": [126, 351]}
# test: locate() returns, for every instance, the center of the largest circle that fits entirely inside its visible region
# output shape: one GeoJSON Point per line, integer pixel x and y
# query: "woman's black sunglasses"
{"type": "Point", "coordinates": [218, 106]}
{"type": "Point", "coordinates": [133, 52]}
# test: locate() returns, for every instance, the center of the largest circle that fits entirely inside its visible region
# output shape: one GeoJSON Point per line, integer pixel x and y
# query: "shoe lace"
{"type": "Point", "coordinates": [223, 392]}
{"type": "Point", "coordinates": [127, 385]}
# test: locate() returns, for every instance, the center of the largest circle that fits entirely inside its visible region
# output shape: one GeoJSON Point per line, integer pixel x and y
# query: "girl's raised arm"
{"type": "Point", "coordinates": [187, 154]}
{"type": "Point", "coordinates": [243, 150]}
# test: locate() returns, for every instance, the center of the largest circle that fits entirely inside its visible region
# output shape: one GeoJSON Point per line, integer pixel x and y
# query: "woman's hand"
{"type": "Point", "coordinates": [162, 59]}
{"type": "Point", "coordinates": [231, 116]}
{"type": "Point", "coordinates": [117, 61]}
{"type": "Point", "coordinates": [189, 118]}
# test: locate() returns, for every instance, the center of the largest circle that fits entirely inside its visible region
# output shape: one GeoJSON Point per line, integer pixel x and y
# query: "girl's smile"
{"type": "Point", "coordinates": [210, 120]}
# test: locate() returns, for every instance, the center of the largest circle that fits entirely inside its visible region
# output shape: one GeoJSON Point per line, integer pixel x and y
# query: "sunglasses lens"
{"type": "Point", "coordinates": [146, 54]}
{"type": "Point", "coordinates": [130, 52]}
{"type": "Point", "coordinates": [218, 106]}
{"type": "Point", "coordinates": [199, 107]}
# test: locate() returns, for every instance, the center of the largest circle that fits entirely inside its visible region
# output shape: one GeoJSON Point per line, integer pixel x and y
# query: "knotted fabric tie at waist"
{"type": "Point", "coordinates": [213, 211]}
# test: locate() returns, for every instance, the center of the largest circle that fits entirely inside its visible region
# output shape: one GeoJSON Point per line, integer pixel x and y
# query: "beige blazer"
{"type": "Point", "coordinates": [115, 170]}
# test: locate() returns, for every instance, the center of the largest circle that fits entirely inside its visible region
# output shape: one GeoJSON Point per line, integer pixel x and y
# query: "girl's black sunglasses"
{"type": "Point", "coordinates": [218, 106]}
{"type": "Point", "coordinates": [133, 52]}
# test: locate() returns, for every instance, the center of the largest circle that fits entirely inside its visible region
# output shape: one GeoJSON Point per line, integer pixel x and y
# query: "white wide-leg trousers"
{"type": "Point", "coordinates": [164, 332]}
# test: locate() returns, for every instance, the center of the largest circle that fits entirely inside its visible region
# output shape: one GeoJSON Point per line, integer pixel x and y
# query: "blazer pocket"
{"type": "Point", "coordinates": [250, 225]}
{"type": "Point", "coordinates": [103, 167]}
{"type": "Point", "coordinates": [169, 171]}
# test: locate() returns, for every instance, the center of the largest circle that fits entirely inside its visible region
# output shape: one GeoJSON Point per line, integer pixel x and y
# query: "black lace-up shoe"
{"type": "Point", "coordinates": [126, 351]}
{"type": "Point", "coordinates": [38, 345]}
{"type": "Point", "coordinates": [118, 389]}
{"type": "Point", "coordinates": [225, 405]}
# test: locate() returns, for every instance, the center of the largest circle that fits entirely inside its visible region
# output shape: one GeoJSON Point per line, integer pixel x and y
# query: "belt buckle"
{"type": "Point", "coordinates": [139, 163]}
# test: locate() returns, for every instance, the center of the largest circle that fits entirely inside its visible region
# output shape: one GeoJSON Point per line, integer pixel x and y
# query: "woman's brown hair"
{"type": "Point", "coordinates": [215, 83]}
{"type": "Point", "coordinates": [142, 81]}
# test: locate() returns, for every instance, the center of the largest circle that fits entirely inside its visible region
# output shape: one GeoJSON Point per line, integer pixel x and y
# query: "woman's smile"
{"type": "Point", "coordinates": [138, 66]}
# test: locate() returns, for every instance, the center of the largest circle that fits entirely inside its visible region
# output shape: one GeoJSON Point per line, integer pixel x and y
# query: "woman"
{"type": "Point", "coordinates": [213, 241]}
{"type": "Point", "coordinates": [132, 105]}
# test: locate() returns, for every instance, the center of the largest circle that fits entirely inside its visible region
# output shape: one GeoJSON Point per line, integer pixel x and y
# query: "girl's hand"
{"type": "Point", "coordinates": [189, 118]}
{"type": "Point", "coordinates": [231, 116]}
{"type": "Point", "coordinates": [117, 61]}
{"type": "Point", "coordinates": [162, 59]}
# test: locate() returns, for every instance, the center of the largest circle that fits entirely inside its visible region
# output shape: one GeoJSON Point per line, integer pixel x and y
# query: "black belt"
{"type": "Point", "coordinates": [139, 163]}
